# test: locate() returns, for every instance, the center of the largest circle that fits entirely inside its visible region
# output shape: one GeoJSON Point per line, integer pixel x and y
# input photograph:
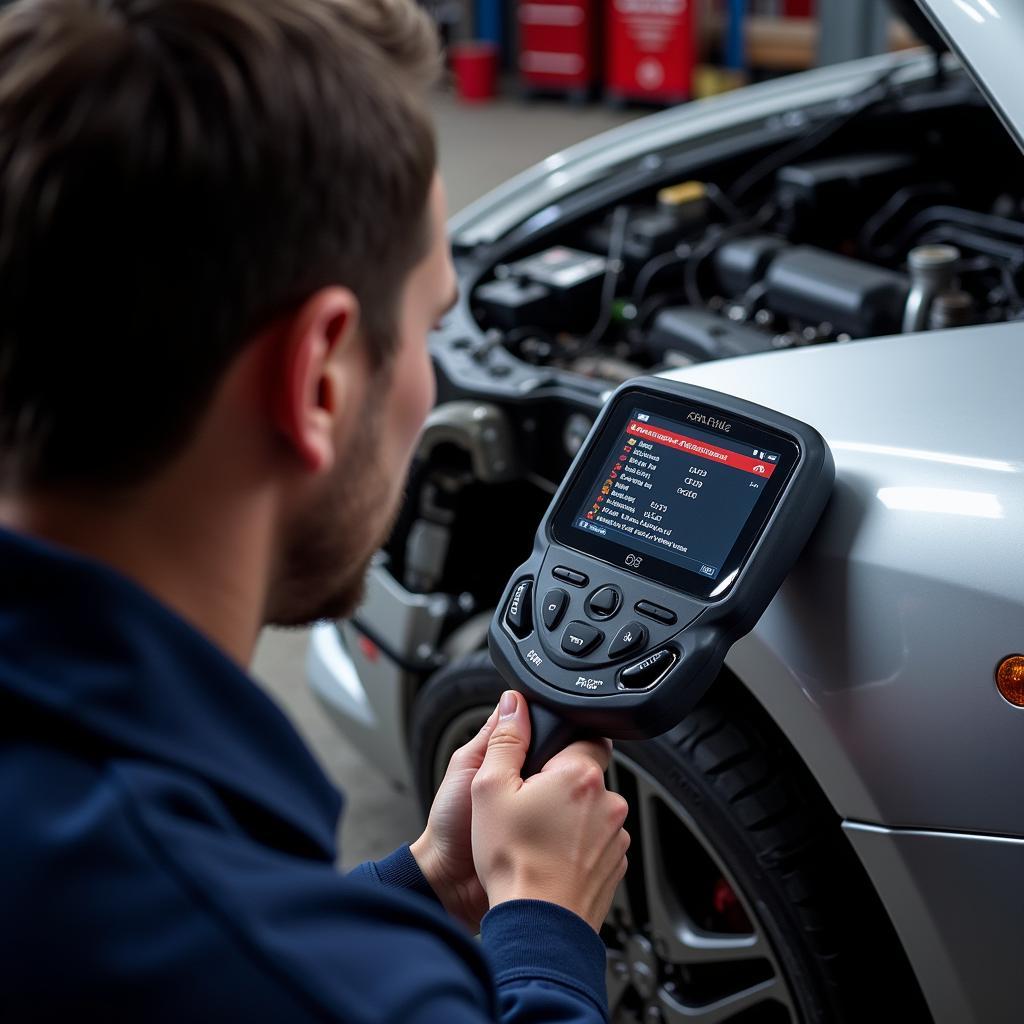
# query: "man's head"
{"type": "Point", "coordinates": [356, 436]}
{"type": "Point", "coordinates": [183, 182]}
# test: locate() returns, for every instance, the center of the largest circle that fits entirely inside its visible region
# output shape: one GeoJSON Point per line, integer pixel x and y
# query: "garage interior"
{"type": "Point", "coordinates": [790, 231]}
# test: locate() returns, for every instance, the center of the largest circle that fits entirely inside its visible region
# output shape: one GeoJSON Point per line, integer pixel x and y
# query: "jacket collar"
{"type": "Point", "coordinates": [87, 653]}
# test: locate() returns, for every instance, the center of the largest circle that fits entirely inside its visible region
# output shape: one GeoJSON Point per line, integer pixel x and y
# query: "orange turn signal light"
{"type": "Point", "coordinates": [1010, 679]}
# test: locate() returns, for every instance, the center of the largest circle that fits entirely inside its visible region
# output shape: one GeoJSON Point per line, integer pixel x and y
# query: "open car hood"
{"type": "Point", "coordinates": [910, 11]}
{"type": "Point", "coordinates": [988, 37]}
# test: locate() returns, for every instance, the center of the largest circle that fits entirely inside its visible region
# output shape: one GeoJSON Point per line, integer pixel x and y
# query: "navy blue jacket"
{"type": "Point", "coordinates": [167, 846]}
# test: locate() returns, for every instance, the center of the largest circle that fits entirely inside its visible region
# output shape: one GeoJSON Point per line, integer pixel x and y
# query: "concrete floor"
{"type": "Point", "coordinates": [484, 144]}
{"type": "Point", "coordinates": [480, 146]}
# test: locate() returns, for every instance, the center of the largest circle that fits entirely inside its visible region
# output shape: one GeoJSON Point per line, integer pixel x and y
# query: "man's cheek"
{"type": "Point", "coordinates": [430, 384]}
{"type": "Point", "coordinates": [414, 395]}
{"type": "Point", "coordinates": [422, 391]}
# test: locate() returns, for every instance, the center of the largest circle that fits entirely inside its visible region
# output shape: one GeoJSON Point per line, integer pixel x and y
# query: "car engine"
{"type": "Point", "coordinates": [833, 245]}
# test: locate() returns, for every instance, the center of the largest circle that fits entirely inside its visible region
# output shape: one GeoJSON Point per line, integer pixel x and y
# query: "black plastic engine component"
{"type": "Point", "coordinates": [815, 286]}
{"type": "Point", "coordinates": [703, 336]}
{"type": "Point", "coordinates": [648, 233]}
{"type": "Point", "coordinates": [572, 279]}
{"type": "Point", "coordinates": [560, 268]}
{"type": "Point", "coordinates": [512, 302]}
{"type": "Point", "coordinates": [743, 262]}
{"type": "Point", "coordinates": [828, 200]}
{"type": "Point", "coordinates": [652, 231]}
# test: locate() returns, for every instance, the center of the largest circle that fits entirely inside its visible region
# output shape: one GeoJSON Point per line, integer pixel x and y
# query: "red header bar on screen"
{"type": "Point", "coordinates": [700, 449]}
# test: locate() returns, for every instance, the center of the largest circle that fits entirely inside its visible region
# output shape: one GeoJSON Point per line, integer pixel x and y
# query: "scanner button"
{"type": "Point", "coordinates": [604, 603]}
{"type": "Point", "coordinates": [518, 615]}
{"type": "Point", "coordinates": [647, 672]}
{"type": "Point", "coordinates": [630, 638]}
{"type": "Point", "coordinates": [555, 603]}
{"type": "Point", "coordinates": [577, 579]}
{"type": "Point", "coordinates": [655, 611]}
{"type": "Point", "coordinates": [579, 639]}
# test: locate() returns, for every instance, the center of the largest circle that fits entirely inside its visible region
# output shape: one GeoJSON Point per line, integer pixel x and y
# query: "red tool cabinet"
{"type": "Point", "coordinates": [559, 45]}
{"type": "Point", "coordinates": [650, 50]}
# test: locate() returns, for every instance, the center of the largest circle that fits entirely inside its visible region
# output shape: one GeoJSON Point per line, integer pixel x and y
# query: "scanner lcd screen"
{"type": "Point", "coordinates": [679, 498]}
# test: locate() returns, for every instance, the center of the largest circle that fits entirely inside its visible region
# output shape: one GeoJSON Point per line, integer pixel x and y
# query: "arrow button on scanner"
{"type": "Point", "coordinates": [630, 638]}
{"type": "Point", "coordinates": [580, 638]}
{"type": "Point", "coordinates": [553, 608]}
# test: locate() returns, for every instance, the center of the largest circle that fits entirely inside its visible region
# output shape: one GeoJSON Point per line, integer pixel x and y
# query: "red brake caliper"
{"type": "Point", "coordinates": [728, 907]}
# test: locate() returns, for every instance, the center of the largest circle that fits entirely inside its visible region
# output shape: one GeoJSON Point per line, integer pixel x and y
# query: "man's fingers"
{"type": "Point", "coordinates": [507, 743]}
{"type": "Point", "coordinates": [471, 755]}
{"type": "Point", "coordinates": [599, 750]}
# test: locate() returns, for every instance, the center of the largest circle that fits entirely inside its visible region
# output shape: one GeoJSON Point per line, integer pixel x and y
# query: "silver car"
{"type": "Point", "coordinates": [835, 831]}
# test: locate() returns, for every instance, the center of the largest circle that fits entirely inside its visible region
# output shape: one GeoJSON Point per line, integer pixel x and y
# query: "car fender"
{"type": "Point", "coordinates": [876, 658]}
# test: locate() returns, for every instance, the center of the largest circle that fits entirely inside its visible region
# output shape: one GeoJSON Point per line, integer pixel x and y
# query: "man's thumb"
{"type": "Point", "coordinates": [506, 749]}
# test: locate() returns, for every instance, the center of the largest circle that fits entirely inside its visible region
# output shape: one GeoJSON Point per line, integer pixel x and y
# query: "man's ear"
{"type": "Point", "coordinates": [313, 378]}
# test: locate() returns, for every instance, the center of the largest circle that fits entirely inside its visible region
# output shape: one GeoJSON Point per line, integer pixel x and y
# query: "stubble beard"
{"type": "Point", "coordinates": [328, 550]}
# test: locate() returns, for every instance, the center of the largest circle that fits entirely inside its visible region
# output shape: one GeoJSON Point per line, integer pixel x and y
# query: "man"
{"type": "Point", "coordinates": [222, 246]}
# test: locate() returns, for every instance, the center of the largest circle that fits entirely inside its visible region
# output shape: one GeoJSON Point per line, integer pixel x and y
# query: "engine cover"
{"type": "Point", "coordinates": [816, 286]}
{"type": "Point", "coordinates": [703, 336]}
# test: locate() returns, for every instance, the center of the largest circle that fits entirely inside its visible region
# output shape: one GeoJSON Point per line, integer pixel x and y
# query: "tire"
{"type": "Point", "coordinates": [744, 901]}
{"type": "Point", "coordinates": [443, 714]}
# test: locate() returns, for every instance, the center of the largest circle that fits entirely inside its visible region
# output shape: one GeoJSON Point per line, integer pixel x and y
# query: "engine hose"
{"type": "Point", "coordinates": [650, 270]}
{"type": "Point", "coordinates": [936, 217]}
{"type": "Point", "coordinates": [894, 207]}
{"type": "Point", "coordinates": [711, 241]}
{"type": "Point", "coordinates": [996, 248]}
{"type": "Point", "coordinates": [616, 245]}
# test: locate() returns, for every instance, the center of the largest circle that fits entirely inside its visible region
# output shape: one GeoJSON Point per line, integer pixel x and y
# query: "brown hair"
{"type": "Point", "coordinates": [174, 174]}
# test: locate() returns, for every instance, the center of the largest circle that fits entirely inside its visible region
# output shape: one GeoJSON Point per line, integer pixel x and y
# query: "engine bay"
{"type": "Point", "coordinates": [881, 221]}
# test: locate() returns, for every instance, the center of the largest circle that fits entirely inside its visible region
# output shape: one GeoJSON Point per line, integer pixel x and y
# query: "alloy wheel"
{"type": "Point", "coordinates": [684, 941]}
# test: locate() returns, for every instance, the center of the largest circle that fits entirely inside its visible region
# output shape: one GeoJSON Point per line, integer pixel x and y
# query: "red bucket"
{"type": "Point", "coordinates": [475, 66]}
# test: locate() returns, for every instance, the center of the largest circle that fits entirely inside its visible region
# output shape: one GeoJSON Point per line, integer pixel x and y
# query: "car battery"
{"type": "Point", "coordinates": [559, 45]}
{"type": "Point", "coordinates": [650, 52]}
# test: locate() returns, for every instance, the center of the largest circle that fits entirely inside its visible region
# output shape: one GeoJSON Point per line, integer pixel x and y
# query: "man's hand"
{"type": "Point", "coordinates": [444, 852]}
{"type": "Point", "coordinates": [556, 836]}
